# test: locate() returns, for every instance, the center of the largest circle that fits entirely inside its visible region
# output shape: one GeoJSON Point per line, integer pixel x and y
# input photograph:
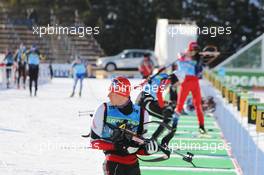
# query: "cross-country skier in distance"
{"type": "Point", "coordinates": [79, 71]}
{"type": "Point", "coordinates": [189, 63]}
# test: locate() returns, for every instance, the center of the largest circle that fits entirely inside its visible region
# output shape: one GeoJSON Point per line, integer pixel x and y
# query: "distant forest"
{"type": "Point", "coordinates": [132, 23]}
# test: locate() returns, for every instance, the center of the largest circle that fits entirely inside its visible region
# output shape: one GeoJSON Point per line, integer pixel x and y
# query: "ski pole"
{"type": "Point", "coordinates": [85, 113]}
{"type": "Point", "coordinates": [188, 158]}
{"type": "Point", "coordinates": [89, 111]}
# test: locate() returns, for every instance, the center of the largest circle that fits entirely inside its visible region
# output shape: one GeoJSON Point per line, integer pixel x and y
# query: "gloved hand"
{"type": "Point", "coordinates": [132, 150]}
{"type": "Point", "coordinates": [119, 140]}
{"type": "Point", "coordinates": [125, 147]}
{"type": "Point", "coordinates": [152, 147]}
{"type": "Point", "coordinates": [167, 111]}
{"type": "Point", "coordinates": [123, 142]}
{"type": "Point", "coordinates": [117, 135]}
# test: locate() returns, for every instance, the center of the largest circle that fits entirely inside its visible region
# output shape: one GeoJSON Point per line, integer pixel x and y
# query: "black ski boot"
{"type": "Point", "coordinates": [202, 129]}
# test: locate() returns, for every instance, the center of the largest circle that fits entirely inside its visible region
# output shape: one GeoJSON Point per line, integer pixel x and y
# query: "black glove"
{"type": "Point", "coordinates": [122, 140]}
{"type": "Point", "coordinates": [167, 111]}
{"type": "Point", "coordinates": [174, 79]}
{"type": "Point", "coordinates": [117, 135]}
{"type": "Point", "coordinates": [120, 146]}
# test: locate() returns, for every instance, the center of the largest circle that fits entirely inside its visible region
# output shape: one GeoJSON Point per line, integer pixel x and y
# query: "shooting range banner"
{"type": "Point", "coordinates": [245, 79]}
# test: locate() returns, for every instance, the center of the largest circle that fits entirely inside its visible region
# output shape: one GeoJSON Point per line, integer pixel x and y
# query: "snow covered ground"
{"type": "Point", "coordinates": [42, 135]}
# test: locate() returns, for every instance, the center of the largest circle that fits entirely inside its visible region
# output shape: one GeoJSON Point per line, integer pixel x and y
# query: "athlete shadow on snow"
{"type": "Point", "coordinates": [10, 130]}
